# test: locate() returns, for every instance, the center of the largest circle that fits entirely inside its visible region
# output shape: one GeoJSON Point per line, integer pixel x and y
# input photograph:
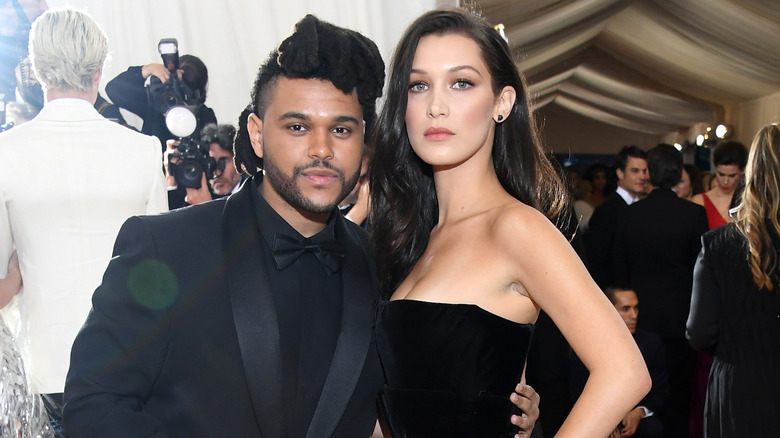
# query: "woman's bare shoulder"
{"type": "Point", "coordinates": [521, 222]}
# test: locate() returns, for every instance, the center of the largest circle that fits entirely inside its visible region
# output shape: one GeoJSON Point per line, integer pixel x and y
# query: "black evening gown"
{"type": "Point", "coordinates": [450, 369]}
{"type": "Point", "coordinates": [740, 324]}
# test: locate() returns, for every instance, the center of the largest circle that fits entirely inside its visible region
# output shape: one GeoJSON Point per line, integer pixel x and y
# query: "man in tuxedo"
{"type": "Point", "coordinates": [251, 315]}
{"type": "Point", "coordinates": [642, 421]}
{"type": "Point", "coordinates": [655, 248]}
{"type": "Point", "coordinates": [631, 171]}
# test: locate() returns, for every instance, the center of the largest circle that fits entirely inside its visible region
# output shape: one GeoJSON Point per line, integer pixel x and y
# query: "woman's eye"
{"type": "Point", "coordinates": [462, 84]}
{"type": "Point", "coordinates": [418, 86]}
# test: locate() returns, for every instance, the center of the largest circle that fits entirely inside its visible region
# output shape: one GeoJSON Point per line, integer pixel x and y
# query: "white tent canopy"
{"type": "Point", "coordinates": [650, 66]}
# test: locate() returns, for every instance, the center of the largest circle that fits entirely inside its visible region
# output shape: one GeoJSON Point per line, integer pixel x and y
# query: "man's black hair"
{"type": "Point", "coordinates": [242, 145]}
{"type": "Point", "coordinates": [612, 290]}
{"type": "Point", "coordinates": [621, 160]}
{"type": "Point", "coordinates": [664, 162]}
{"type": "Point", "coordinates": [222, 135]}
{"type": "Point", "coordinates": [319, 50]}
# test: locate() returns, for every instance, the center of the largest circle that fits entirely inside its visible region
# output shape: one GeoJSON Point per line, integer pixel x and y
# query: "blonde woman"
{"type": "Point", "coordinates": [735, 304]}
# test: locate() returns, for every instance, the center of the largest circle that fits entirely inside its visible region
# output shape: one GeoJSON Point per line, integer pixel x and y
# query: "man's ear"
{"type": "Point", "coordinates": [619, 173]}
{"type": "Point", "coordinates": [255, 127]}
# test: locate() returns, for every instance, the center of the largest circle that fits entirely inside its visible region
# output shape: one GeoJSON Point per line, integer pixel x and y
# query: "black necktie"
{"type": "Point", "coordinates": [287, 249]}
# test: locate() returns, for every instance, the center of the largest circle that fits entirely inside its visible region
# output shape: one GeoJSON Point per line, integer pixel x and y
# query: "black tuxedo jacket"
{"type": "Point", "coordinates": [657, 400]}
{"type": "Point", "coordinates": [656, 244]}
{"type": "Point", "coordinates": [600, 236]}
{"type": "Point", "coordinates": [182, 339]}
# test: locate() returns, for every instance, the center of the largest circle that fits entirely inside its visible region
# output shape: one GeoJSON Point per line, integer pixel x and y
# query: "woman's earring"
{"type": "Point", "coordinates": [500, 117]}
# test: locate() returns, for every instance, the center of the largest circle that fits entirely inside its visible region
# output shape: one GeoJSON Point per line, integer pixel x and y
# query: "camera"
{"type": "Point", "coordinates": [163, 96]}
{"type": "Point", "coordinates": [190, 161]}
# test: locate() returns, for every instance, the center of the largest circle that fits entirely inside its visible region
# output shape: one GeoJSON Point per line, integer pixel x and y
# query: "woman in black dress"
{"type": "Point", "coordinates": [735, 307]}
{"type": "Point", "coordinates": [462, 201]}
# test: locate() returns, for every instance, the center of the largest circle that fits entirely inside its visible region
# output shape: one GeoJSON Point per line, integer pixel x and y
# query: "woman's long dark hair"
{"type": "Point", "coordinates": [404, 207]}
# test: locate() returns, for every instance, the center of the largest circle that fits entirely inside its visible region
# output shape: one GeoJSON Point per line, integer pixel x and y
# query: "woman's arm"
{"type": "Point", "coordinates": [556, 280]}
{"type": "Point", "coordinates": [127, 91]}
{"type": "Point", "coordinates": [702, 326]}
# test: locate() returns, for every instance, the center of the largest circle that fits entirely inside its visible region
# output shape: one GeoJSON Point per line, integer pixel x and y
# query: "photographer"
{"type": "Point", "coordinates": [127, 91]}
{"type": "Point", "coordinates": [223, 178]}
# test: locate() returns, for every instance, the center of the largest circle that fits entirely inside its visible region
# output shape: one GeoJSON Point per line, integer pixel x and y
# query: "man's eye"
{"type": "Point", "coordinates": [296, 127]}
{"type": "Point", "coordinates": [342, 130]}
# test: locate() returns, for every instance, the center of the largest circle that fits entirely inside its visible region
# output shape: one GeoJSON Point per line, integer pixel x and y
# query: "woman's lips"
{"type": "Point", "coordinates": [437, 133]}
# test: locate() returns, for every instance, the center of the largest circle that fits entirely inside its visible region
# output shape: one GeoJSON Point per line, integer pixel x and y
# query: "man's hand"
{"type": "Point", "coordinates": [527, 400]}
{"type": "Point", "coordinates": [201, 194]}
{"type": "Point", "coordinates": [170, 147]}
{"type": "Point", "coordinates": [631, 421]}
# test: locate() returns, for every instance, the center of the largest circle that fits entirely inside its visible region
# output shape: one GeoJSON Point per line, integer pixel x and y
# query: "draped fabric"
{"type": "Point", "coordinates": [651, 66]}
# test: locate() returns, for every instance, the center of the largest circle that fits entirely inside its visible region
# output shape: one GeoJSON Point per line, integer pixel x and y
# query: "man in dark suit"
{"type": "Point", "coordinates": [642, 421]}
{"type": "Point", "coordinates": [656, 244]}
{"type": "Point", "coordinates": [250, 315]}
{"type": "Point", "coordinates": [631, 171]}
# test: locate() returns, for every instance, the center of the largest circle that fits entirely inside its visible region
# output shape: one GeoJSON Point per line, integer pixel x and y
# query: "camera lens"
{"type": "Point", "coordinates": [169, 99]}
{"type": "Point", "coordinates": [189, 174]}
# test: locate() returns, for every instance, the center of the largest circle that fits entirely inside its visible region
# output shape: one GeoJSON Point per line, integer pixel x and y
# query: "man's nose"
{"type": "Point", "coordinates": [321, 145]}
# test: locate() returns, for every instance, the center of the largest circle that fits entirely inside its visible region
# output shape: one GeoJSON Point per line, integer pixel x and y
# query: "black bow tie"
{"type": "Point", "coordinates": [287, 249]}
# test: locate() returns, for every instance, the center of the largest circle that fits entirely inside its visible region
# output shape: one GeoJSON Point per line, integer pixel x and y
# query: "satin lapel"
{"type": "Point", "coordinates": [253, 310]}
{"type": "Point", "coordinates": [359, 291]}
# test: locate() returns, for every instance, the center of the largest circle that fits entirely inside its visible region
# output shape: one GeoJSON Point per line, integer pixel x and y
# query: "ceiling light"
{"type": "Point", "coordinates": [721, 131]}
{"type": "Point", "coordinates": [699, 140]}
{"type": "Point", "coordinates": [500, 28]}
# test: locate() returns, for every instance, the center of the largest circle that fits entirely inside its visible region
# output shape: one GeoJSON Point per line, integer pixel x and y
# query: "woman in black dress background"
{"type": "Point", "coordinates": [735, 307]}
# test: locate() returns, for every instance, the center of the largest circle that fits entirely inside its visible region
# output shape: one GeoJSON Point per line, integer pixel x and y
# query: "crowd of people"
{"type": "Point", "coordinates": [338, 272]}
{"type": "Point", "coordinates": [646, 237]}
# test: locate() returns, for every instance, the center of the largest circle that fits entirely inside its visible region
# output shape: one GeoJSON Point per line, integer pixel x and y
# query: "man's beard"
{"type": "Point", "coordinates": [228, 188]}
{"type": "Point", "coordinates": [287, 188]}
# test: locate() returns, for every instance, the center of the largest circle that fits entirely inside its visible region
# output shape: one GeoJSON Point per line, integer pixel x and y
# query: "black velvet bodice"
{"type": "Point", "coordinates": [450, 369]}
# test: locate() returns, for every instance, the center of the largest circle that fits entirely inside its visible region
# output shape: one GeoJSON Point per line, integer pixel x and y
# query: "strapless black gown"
{"type": "Point", "coordinates": [450, 369]}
